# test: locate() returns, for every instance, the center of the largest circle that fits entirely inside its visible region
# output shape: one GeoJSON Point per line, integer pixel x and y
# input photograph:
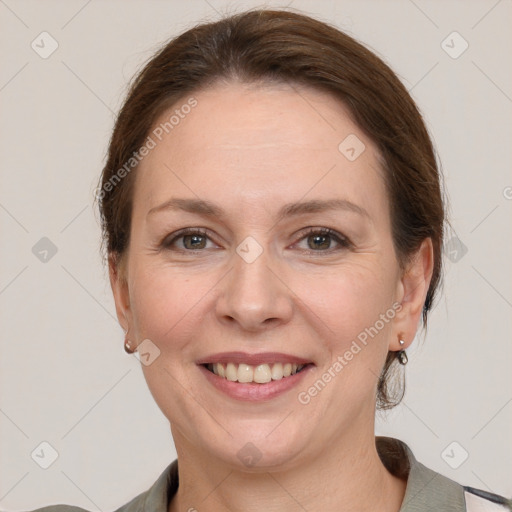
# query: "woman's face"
{"type": "Point", "coordinates": [257, 175]}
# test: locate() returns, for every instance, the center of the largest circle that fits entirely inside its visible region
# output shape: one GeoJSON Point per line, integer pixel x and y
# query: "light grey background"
{"type": "Point", "coordinates": [65, 378]}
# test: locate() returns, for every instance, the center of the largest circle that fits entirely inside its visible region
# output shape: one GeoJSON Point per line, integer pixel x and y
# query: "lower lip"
{"type": "Point", "coordinates": [252, 391]}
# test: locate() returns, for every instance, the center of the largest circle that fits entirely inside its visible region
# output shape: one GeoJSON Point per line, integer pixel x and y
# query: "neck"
{"type": "Point", "coordinates": [346, 477]}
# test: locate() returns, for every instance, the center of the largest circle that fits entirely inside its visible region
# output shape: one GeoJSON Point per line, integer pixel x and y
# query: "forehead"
{"type": "Point", "coordinates": [256, 143]}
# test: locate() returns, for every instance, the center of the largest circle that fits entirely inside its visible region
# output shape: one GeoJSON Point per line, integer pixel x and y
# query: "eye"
{"type": "Point", "coordinates": [190, 239]}
{"type": "Point", "coordinates": [196, 239]}
{"type": "Point", "coordinates": [321, 239]}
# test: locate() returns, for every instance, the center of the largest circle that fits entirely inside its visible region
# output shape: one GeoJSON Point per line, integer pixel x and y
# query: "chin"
{"type": "Point", "coordinates": [253, 451]}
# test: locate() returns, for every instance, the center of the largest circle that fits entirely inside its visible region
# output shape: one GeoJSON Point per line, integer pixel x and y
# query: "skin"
{"type": "Point", "coordinates": [251, 149]}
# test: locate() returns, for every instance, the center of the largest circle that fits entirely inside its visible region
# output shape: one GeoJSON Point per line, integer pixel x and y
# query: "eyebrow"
{"type": "Point", "coordinates": [209, 209]}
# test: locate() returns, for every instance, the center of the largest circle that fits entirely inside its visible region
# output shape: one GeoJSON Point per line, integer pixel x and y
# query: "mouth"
{"type": "Point", "coordinates": [254, 377]}
{"type": "Point", "coordinates": [260, 374]}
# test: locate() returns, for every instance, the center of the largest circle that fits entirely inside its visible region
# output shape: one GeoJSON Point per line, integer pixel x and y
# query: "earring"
{"type": "Point", "coordinates": [401, 355]}
{"type": "Point", "coordinates": [127, 346]}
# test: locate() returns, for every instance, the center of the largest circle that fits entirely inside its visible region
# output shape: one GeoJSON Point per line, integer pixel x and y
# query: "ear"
{"type": "Point", "coordinates": [120, 291]}
{"type": "Point", "coordinates": [412, 291]}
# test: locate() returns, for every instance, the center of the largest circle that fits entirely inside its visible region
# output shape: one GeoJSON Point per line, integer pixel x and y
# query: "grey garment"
{"type": "Point", "coordinates": [426, 490]}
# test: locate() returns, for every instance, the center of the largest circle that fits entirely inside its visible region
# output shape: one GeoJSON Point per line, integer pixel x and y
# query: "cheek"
{"type": "Point", "coordinates": [348, 306]}
{"type": "Point", "coordinates": [165, 304]}
{"type": "Point", "coordinates": [350, 301]}
{"type": "Point", "coordinates": [166, 309]}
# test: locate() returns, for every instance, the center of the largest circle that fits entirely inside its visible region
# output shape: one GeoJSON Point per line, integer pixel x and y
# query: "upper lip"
{"type": "Point", "coordinates": [252, 359]}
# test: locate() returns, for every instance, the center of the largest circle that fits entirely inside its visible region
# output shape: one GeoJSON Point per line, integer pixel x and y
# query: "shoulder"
{"type": "Point", "coordinates": [428, 490]}
{"type": "Point", "coordinates": [155, 499]}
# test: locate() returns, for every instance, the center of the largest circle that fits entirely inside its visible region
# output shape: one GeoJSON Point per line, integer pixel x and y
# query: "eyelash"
{"type": "Point", "coordinates": [343, 241]}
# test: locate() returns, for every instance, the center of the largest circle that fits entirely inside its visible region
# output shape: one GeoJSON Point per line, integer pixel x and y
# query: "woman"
{"type": "Point", "coordinates": [273, 219]}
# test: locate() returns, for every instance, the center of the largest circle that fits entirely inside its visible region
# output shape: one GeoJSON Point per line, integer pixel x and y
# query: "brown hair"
{"type": "Point", "coordinates": [283, 46]}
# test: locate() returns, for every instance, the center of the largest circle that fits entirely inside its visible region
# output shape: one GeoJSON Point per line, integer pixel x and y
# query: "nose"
{"type": "Point", "coordinates": [254, 295]}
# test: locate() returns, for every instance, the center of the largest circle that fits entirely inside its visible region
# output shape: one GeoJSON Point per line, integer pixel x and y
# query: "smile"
{"type": "Point", "coordinates": [261, 374]}
{"type": "Point", "coordinates": [254, 377]}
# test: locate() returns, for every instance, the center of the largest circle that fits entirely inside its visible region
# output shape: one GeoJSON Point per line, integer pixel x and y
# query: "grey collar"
{"type": "Point", "coordinates": [426, 490]}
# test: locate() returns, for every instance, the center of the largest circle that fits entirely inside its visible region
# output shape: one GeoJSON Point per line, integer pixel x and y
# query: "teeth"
{"type": "Point", "coordinates": [261, 373]}
{"type": "Point", "coordinates": [277, 371]}
{"type": "Point", "coordinates": [231, 372]}
{"type": "Point", "coordinates": [245, 373]}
